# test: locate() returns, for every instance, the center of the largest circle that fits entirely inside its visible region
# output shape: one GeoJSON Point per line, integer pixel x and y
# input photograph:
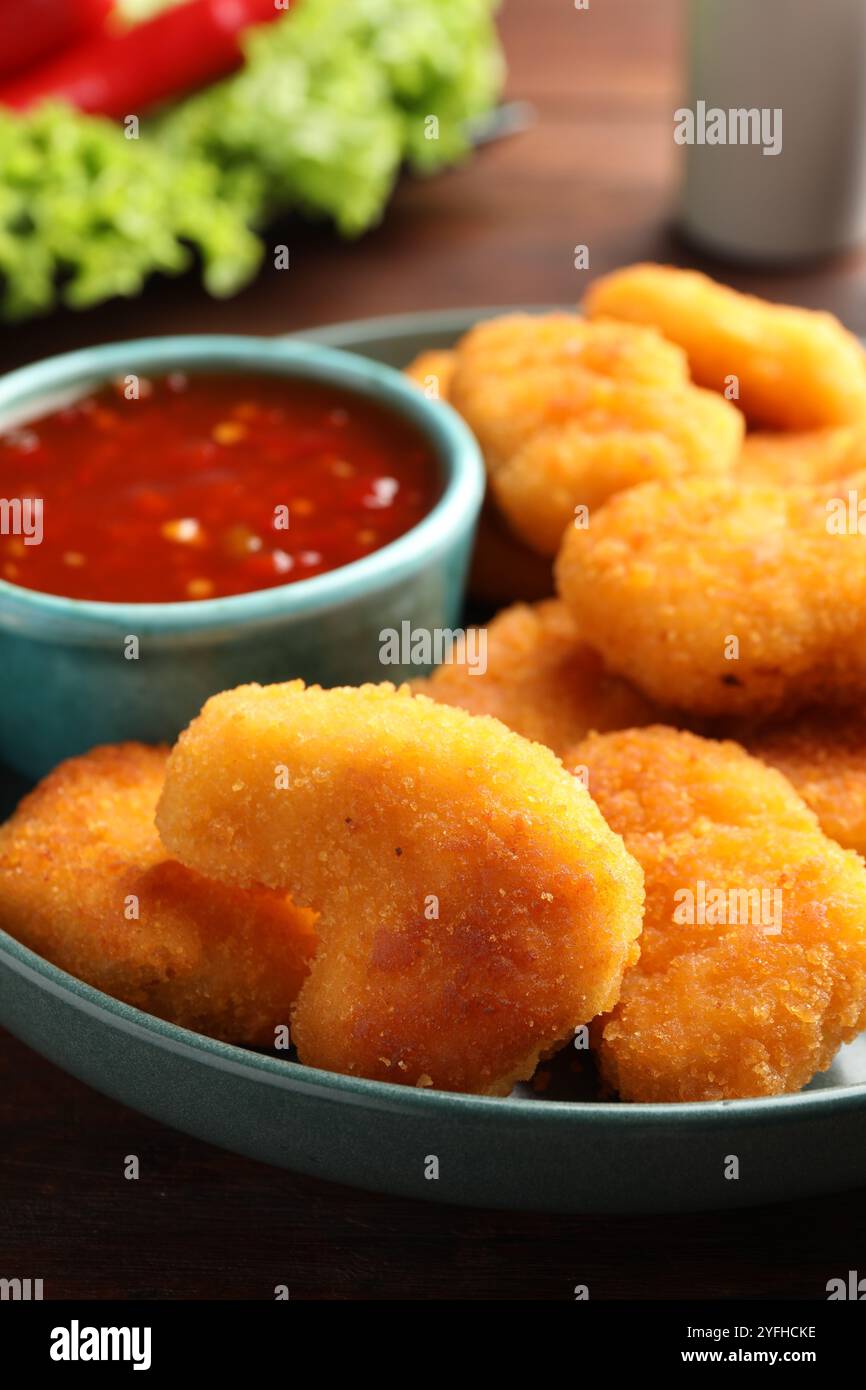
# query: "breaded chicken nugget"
{"type": "Point", "coordinates": [752, 967]}
{"type": "Point", "coordinates": [503, 568]}
{"type": "Point", "coordinates": [474, 907]}
{"type": "Point", "coordinates": [521, 373]}
{"type": "Point", "coordinates": [541, 680]}
{"type": "Point", "coordinates": [433, 370]}
{"type": "Point", "coordinates": [823, 755]}
{"type": "Point", "coordinates": [560, 469]}
{"type": "Point", "coordinates": [797, 369]}
{"type": "Point", "coordinates": [85, 882]}
{"type": "Point", "coordinates": [568, 412]}
{"type": "Point", "coordinates": [514, 343]}
{"type": "Point", "coordinates": [802, 458]}
{"type": "Point", "coordinates": [723, 598]}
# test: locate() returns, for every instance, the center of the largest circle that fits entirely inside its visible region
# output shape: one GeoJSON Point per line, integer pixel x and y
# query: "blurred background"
{"type": "Point", "coordinates": [596, 165]}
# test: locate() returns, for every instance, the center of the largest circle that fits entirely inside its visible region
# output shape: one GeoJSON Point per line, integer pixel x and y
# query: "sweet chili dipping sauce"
{"type": "Point", "coordinates": [209, 484]}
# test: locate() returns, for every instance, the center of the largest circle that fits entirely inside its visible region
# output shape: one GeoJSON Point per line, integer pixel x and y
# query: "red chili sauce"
{"type": "Point", "coordinates": [206, 485]}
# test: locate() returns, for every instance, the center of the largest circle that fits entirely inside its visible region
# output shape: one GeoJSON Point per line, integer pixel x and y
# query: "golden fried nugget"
{"type": "Point", "coordinates": [752, 968]}
{"type": "Point", "coordinates": [85, 882]}
{"type": "Point", "coordinates": [474, 907]}
{"type": "Point", "coordinates": [511, 344]}
{"type": "Point", "coordinates": [433, 370]}
{"type": "Point", "coordinates": [802, 458]}
{"type": "Point", "coordinates": [568, 412]}
{"type": "Point", "coordinates": [723, 598]}
{"type": "Point", "coordinates": [503, 568]}
{"type": "Point", "coordinates": [561, 469]}
{"type": "Point", "coordinates": [541, 680]}
{"type": "Point", "coordinates": [797, 369]}
{"type": "Point", "coordinates": [823, 755]}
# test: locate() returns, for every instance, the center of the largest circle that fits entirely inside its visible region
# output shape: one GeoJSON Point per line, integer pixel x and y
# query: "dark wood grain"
{"type": "Point", "coordinates": [200, 1223]}
{"type": "Point", "coordinates": [600, 168]}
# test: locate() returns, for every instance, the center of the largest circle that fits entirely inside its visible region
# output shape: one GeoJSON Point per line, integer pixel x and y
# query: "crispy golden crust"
{"type": "Point", "coordinates": [569, 412]}
{"type": "Point", "coordinates": [823, 755]}
{"type": "Point", "coordinates": [797, 369]}
{"type": "Point", "coordinates": [801, 458]}
{"type": "Point", "coordinates": [80, 850]}
{"type": "Point", "coordinates": [503, 568]}
{"type": "Point", "coordinates": [715, 1010]}
{"type": "Point", "coordinates": [433, 370]}
{"type": "Point", "coordinates": [723, 599]}
{"type": "Point", "coordinates": [474, 907]}
{"type": "Point", "coordinates": [566, 467]}
{"type": "Point", "coordinates": [541, 680]}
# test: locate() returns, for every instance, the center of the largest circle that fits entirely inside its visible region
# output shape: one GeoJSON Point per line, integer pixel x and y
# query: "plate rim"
{"type": "Point", "coordinates": [294, 1076]}
{"type": "Point", "coordinates": [339, 1086]}
{"type": "Point", "coordinates": [433, 320]}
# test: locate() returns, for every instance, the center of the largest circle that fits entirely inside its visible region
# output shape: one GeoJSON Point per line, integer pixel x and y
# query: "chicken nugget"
{"type": "Point", "coordinates": [85, 882]}
{"type": "Point", "coordinates": [433, 370]}
{"type": "Point", "coordinates": [514, 343]}
{"type": "Point", "coordinates": [823, 755]}
{"type": "Point", "coordinates": [802, 458]}
{"type": "Point", "coordinates": [567, 413]}
{"type": "Point", "coordinates": [540, 680]}
{"type": "Point", "coordinates": [503, 568]}
{"type": "Point", "coordinates": [723, 598]}
{"type": "Point", "coordinates": [474, 907]}
{"type": "Point", "coordinates": [752, 968]}
{"type": "Point", "coordinates": [796, 369]}
{"type": "Point", "coordinates": [575, 467]}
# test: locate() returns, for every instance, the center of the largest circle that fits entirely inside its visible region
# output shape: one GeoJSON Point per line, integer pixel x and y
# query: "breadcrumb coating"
{"type": "Point", "coordinates": [432, 371]}
{"type": "Point", "coordinates": [85, 882]}
{"type": "Point", "coordinates": [801, 458]}
{"type": "Point", "coordinates": [541, 680]}
{"type": "Point", "coordinates": [567, 412]}
{"type": "Point", "coordinates": [724, 598]}
{"type": "Point", "coordinates": [796, 369]}
{"type": "Point", "coordinates": [823, 755]}
{"type": "Point", "coordinates": [753, 995]}
{"type": "Point", "coordinates": [474, 908]}
{"type": "Point", "coordinates": [503, 568]}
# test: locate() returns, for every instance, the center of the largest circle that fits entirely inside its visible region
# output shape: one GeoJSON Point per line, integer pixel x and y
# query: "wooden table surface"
{"type": "Point", "coordinates": [598, 168]}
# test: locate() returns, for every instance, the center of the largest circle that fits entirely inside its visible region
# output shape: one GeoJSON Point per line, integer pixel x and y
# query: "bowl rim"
{"type": "Point", "coordinates": [295, 355]}
{"type": "Point", "coordinates": [386, 1095]}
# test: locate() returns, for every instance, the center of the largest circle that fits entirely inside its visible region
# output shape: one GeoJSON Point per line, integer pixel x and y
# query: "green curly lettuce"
{"type": "Point", "coordinates": [330, 102]}
{"type": "Point", "coordinates": [335, 96]}
{"type": "Point", "coordinates": [86, 214]}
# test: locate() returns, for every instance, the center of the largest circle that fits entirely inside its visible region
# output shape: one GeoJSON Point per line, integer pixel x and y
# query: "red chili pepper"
{"type": "Point", "coordinates": [31, 29]}
{"type": "Point", "coordinates": [121, 74]}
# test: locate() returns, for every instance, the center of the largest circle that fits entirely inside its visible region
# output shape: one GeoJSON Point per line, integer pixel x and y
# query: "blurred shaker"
{"type": "Point", "coordinates": [774, 128]}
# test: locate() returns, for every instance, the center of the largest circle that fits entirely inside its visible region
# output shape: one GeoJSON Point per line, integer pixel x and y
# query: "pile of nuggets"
{"type": "Point", "coordinates": [688, 462]}
{"type": "Point", "coordinates": [640, 826]}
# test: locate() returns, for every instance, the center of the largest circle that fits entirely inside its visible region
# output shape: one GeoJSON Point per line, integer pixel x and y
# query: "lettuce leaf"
{"type": "Point", "coordinates": [337, 94]}
{"type": "Point", "coordinates": [86, 214]}
{"type": "Point", "coordinates": [332, 99]}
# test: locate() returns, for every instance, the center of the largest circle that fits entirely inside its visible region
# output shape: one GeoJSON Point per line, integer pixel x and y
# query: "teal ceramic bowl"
{"type": "Point", "coordinates": [65, 684]}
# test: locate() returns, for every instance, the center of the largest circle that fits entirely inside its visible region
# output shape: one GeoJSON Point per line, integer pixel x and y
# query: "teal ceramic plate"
{"type": "Point", "coordinates": [555, 1150]}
